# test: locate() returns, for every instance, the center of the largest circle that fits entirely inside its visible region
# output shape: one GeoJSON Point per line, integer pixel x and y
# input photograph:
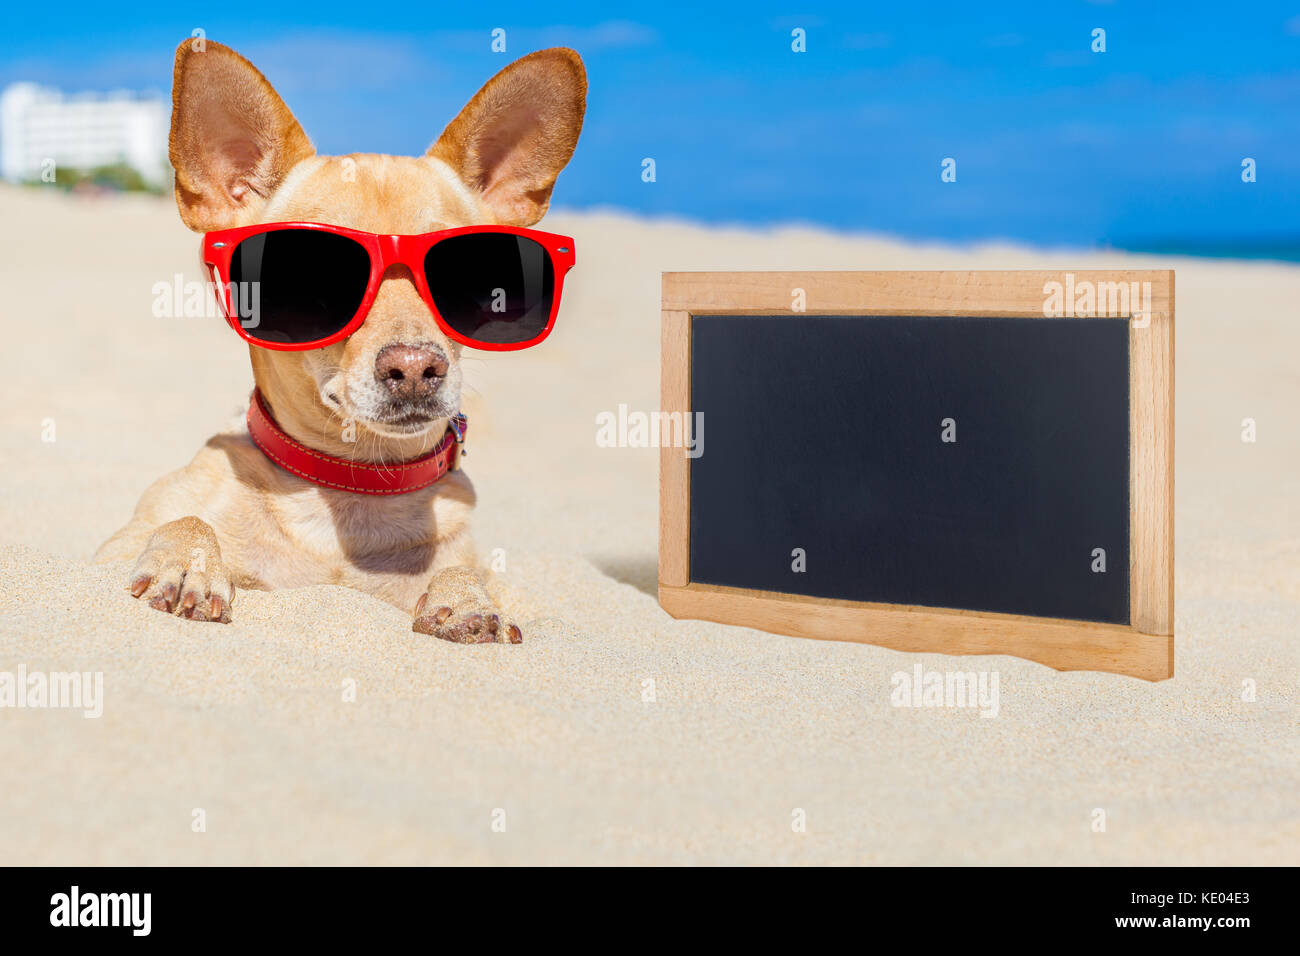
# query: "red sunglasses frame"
{"type": "Point", "coordinates": [384, 251]}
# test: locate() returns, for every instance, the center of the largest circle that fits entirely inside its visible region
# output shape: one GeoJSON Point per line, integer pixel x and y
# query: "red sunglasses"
{"type": "Point", "coordinates": [292, 286]}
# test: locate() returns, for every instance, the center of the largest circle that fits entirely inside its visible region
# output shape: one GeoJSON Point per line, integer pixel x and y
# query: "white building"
{"type": "Point", "coordinates": [39, 125]}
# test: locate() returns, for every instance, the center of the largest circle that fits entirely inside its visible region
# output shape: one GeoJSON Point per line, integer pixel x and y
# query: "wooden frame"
{"type": "Point", "coordinates": [1143, 648]}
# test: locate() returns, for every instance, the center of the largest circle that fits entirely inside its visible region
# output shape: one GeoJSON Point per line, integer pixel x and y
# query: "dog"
{"type": "Point", "coordinates": [251, 510]}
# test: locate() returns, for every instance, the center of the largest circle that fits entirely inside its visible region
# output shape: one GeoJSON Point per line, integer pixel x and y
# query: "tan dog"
{"type": "Point", "coordinates": [232, 518]}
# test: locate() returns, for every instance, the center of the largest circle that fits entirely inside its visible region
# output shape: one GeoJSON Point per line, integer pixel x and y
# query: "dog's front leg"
{"type": "Point", "coordinates": [456, 607]}
{"type": "Point", "coordinates": [180, 571]}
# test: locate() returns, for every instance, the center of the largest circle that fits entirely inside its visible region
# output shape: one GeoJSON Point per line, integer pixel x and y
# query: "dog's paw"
{"type": "Point", "coordinates": [457, 608]}
{"type": "Point", "coordinates": [180, 572]}
{"type": "Point", "coordinates": [473, 624]}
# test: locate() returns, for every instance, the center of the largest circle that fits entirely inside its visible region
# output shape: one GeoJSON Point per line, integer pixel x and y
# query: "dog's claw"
{"type": "Point", "coordinates": [473, 628]}
{"type": "Point", "coordinates": [456, 607]}
{"type": "Point", "coordinates": [180, 572]}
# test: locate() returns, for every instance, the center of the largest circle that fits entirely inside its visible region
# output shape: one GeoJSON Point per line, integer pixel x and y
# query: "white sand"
{"type": "Point", "coordinates": [247, 721]}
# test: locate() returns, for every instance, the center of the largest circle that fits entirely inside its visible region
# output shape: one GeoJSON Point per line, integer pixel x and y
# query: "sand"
{"type": "Point", "coordinates": [550, 752]}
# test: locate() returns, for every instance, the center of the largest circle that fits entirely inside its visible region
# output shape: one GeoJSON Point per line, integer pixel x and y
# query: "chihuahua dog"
{"type": "Point", "coordinates": [334, 480]}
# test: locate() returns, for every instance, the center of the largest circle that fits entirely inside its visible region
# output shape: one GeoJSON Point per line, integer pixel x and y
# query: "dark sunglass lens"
{"type": "Point", "coordinates": [297, 285]}
{"type": "Point", "coordinates": [492, 287]}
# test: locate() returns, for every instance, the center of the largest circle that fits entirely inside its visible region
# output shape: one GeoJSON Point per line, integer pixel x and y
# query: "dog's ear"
{"type": "Point", "coordinates": [232, 140]}
{"type": "Point", "coordinates": [513, 138]}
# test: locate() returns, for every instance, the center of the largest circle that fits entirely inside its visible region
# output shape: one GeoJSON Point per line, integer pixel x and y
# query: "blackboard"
{"type": "Point", "coordinates": [958, 462]}
{"type": "Point", "coordinates": [931, 461]}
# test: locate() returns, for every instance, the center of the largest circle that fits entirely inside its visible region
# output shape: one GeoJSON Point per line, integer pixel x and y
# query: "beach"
{"type": "Point", "coordinates": [318, 729]}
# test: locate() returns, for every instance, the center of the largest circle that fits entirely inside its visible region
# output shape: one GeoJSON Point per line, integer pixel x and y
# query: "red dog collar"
{"type": "Point", "coordinates": [365, 478]}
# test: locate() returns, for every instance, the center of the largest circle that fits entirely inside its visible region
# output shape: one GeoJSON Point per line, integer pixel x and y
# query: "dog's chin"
{"type": "Point", "coordinates": [391, 419]}
{"type": "Point", "coordinates": [402, 429]}
{"type": "Point", "coordinates": [406, 423]}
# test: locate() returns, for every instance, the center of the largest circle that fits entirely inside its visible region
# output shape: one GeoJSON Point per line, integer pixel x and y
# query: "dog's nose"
{"type": "Point", "coordinates": [410, 371]}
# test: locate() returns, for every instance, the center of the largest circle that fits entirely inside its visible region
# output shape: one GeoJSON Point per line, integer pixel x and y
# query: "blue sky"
{"type": "Point", "coordinates": [1054, 143]}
